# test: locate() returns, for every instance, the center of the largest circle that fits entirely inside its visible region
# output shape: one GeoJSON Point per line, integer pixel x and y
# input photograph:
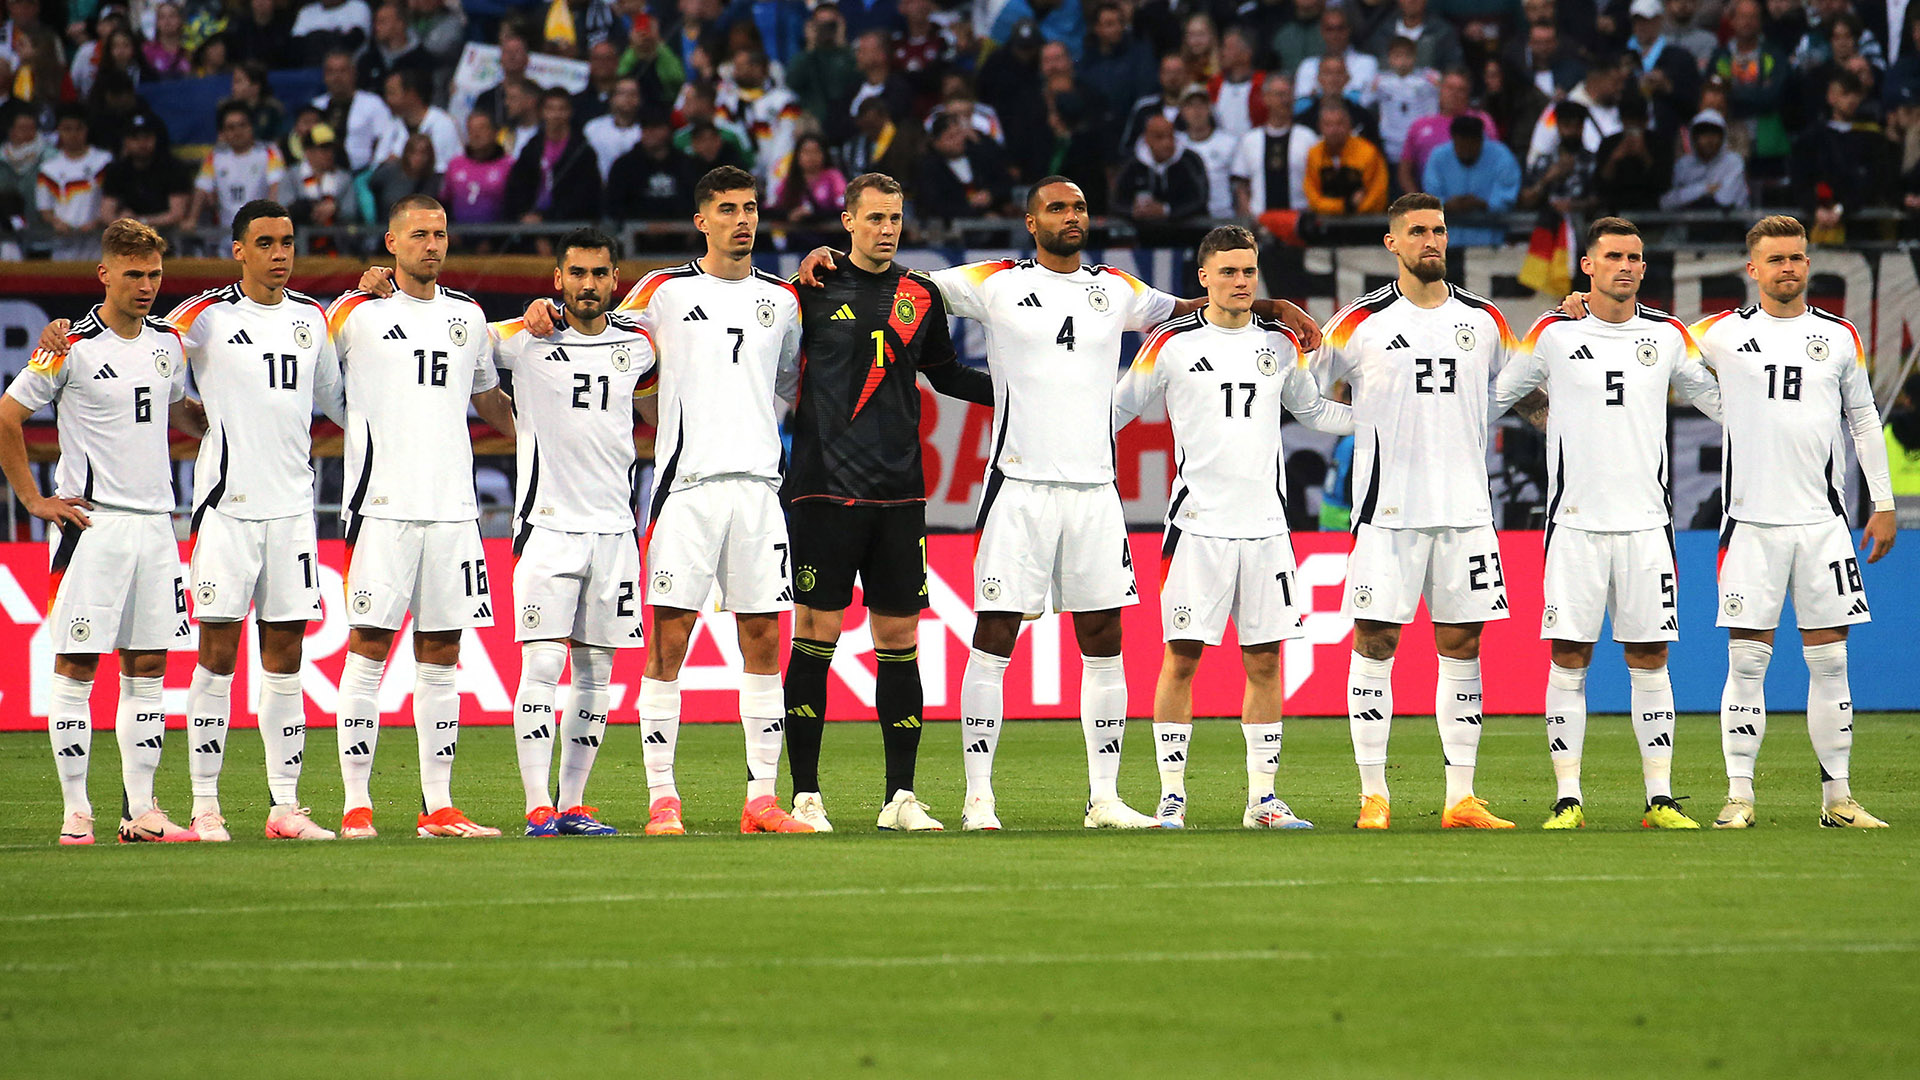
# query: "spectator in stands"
{"type": "Point", "coordinates": [956, 98]}
{"type": "Point", "coordinates": [811, 192]}
{"type": "Point", "coordinates": [1200, 47]}
{"type": "Point", "coordinates": [411, 173]}
{"type": "Point", "coordinates": [612, 135]}
{"type": "Point", "coordinates": [1552, 66]}
{"type": "Point", "coordinates": [879, 144]}
{"type": "Point", "coordinates": [210, 59]}
{"type": "Point", "coordinates": [143, 182]}
{"type": "Point", "coordinates": [824, 76]}
{"type": "Point", "coordinates": [1116, 64]}
{"type": "Point", "coordinates": [872, 54]}
{"type": "Point", "coordinates": [1299, 38]}
{"type": "Point", "coordinates": [1078, 144]}
{"type": "Point", "coordinates": [603, 74]}
{"type": "Point", "coordinates": [1844, 164]}
{"type": "Point", "coordinates": [557, 177]}
{"type": "Point", "coordinates": [963, 176]}
{"type": "Point", "coordinates": [1010, 81]}
{"type": "Point", "coordinates": [523, 117]}
{"type": "Point", "coordinates": [1270, 164]}
{"type": "Point", "coordinates": [514, 56]}
{"type": "Point", "coordinates": [864, 15]}
{"type": "Point", "coordinates": [1436, 43]}
{"type": "Point", "coordinates": [1472, 175]}
{"type": "Point", "coordinates": [263, 32]}
{"type": "Point", "coordinates": [251, 89]}
{"type": "Point", "coordinates": [441, 28]}
{"type": "Point", "coordinates": [660, 72]}
{"type": "Point", "coordinates": [699, 30]}
{"type": "Point", "coordinates": [1512, 103]}
{"type": "Point", "coordinates": [1165, 103]}
{"type": "Point", "coordinates": [1336, 30]}
{"type": "Point", "coordinates": [238, 170]}
{"type": "Point", "coordinates": [697, 107]}
{"type": "Point", "coordinates": [1710, 177]}
{"type": "Point", "coordinates": [1667, 74]}
{"type": "Point", "coordinates": [1164, 188]}
{"type": "Point", "coordinates": [167, 56]}
{"type": "Point", "coordinates": [1816, 45]}
{"type": "Point", "coordinates": [70, 187]}
{"type": "Point", "coordinates": [1633, 166]}
{"type": "Point", "coordinates": [325, 25]}
{"type": "Point", "coordinates": [653, 181]}
{"type": "Point", "coordinates": [920, 52]}
{"type": "Point", "coordinates": [708, 149]}
{"type": "Point", "coordinates": [20, 157]}
{"type": "Point", "coordinates": [294, 144]}
{"type": "Point", "coordinates": [1562, 180]}
{"type": "Point", "coordinates": [1903, 78]}
{"type": "Point", "coordinates": [1598, 96]}
{"type": "Point", "coordinates": [1455, 99]}
{"type": "Point", "coordinates": [767, 111]}
{"type": "Point", "coordinates": [118, 51]}
{"type": "Point", "coordinates": [1783, 25]}
{"type": "Point", "coordinates": [409, 97]}
{"type": "Point", "coordinates": [1035, 130]}
{"type": "Point", "coordinates": [1405, 94]}
{"type": "Point", "coordinates": [1844, 34]}
{"type": "Point", "coordinates": [1237, 103]}
{"type": "Point", "coordinates": [323, 192]}
{"type": "Point", "coordinates": [361, 116]}
{"type": "Point", "coordinates": [111, 107]}
{"type": "Point", "coordinates": [1756, 75]}
{"type": "Point", "coordinates": [1684, 30]}
{"type": "Point", "coordinates": [1214, 147]}
{"type": "Point", "coordinates": [474, 190]}
{"type": "Point", "coordinates": [1346, 174]}
{"type": "Point", "coordinates": [394, 48]}
{"type": "Point", "coordinates": [1055, 20]}
{"type": "Point", "coordinates": [1335, 87]}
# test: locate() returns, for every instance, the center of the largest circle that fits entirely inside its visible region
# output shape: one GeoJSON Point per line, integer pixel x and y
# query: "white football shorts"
{"type": "Point", "coordinates": [1457, 571]}
{"type": "Point", "coordinates": [435, 569]}
{"type": "Point", "coordinates": [1630, 574]}
{"type": "Point", "coordinates": [1759, 564]}
{"type": "Point", "coordinates": [272, 564]}
{"type": "Point", "coordinates": [1070, 539]}
{"type": "Point", "coordinates": [726, 534]}
{"type": "Point", "coordinates": [581, 586]}
{"type": "Point", "coordinates": [116, 585]}
{"type": "Point", "coordinates": [1207, 579]}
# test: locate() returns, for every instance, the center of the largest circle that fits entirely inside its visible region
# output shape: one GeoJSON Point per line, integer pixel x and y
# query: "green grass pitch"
{"type": "Point", "coordinates": [1042, 951]}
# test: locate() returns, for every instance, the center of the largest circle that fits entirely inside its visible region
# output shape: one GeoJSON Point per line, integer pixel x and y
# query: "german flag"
{"type": "Point", "coordinates": [1548, 267]}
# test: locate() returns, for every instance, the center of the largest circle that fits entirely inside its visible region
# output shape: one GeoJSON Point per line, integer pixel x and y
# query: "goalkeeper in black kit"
{"type": "Point", "coordinates": [856, 498]}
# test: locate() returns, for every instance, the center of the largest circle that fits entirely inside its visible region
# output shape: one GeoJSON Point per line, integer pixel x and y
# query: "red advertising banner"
{"type": "Point", "coordinates": [1044, 680]}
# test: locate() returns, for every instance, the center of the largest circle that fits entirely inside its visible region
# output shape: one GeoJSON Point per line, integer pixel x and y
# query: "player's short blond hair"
{"type": "Point", "coordinates": [1774, 225]}
{"type": "Point", "coordinates": [127, 237]}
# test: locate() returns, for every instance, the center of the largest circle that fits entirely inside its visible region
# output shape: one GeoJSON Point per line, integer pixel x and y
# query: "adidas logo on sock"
{"type": "Point", "coordinates": [587, 740]}
{"type": "Point", "coordinates": [1030, 301]}
{"type": "Point", "coordinates": [1752, 345]}
{"type": "Point", "coordinates": [240, 338]}
{"type": "Point", "coordinates": [540, 732]}
{"type": "Point", "coordinates": [1473, 719]}
{"type": "Point", "coordinates": [696, 315]}
{"type": "Point", "coordinates": [978, 747]}
{"type": "Point", "coordinates": [211, 746]}
{"type": "Point", "coordinates": [1112, 747]}
{"type": "Point", "coordinates": [395, 334]}
{"type": "Point", "coordinates": [1399, 342]}
{"type": "Point", "coordinates": [153, 743]}
{"type": "Point", "coordinates": [358, 749]}
{"type": "Point", "coordinates": [1203, 365]}
{"type": "Point", "coordinates": [1581, 353]}
{"type": "Point", "coordinates": [1556, 746]}
{"type": "Point", "coordinates": [76, 750]}
{"type": "Point", "coordinates": [1176, 757]}
{"type": "Point", "coordinates": [1371, 714]}
{"type": "Point", "coordinates": [1743, 729]}
{"type": "Point", "coordinates": [845, 311]}
{"type": "Point", "coordinates": [1859, 607]}
{"type": "Point", "coordinates": [106, 372]}
{"type": "Point", "coordinates": [770, 728]}
{"type": "Point", "coordinates": [656, 738]}
{"type": "Point", "coordinates": [296, 759]}
{"type": "Point", "coordinates": [1662, 739]}
{"type": "Point", "coordinates": [446, 751]}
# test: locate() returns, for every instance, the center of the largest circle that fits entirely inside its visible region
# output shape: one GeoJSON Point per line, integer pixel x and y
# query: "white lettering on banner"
{"type": "Point", "coordinates": [479, 71]}
{"type": "Point", "coordinates": [1322, 626]}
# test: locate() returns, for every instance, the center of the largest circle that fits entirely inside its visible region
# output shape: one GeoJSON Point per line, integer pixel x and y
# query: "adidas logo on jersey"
{"type": "Point", "coordinates": [978, 747]}
{"type": "Point", "coordinates": [1031, 301]}
{"type": "Point", "coordinates": [106, 372]}
{"type": "Point", "coordinates": [1556, 746]}
{"type": "Point", "coordinates": [1399, 342]}
{"type": "Point", "coordinates": [1743, 729]}
{"type": "Point", "coordinates": [1203, 365]}
{"type": "Point", "coordinates": [696, 315]}
{"type": "Point", "coordinates": [1752, 345]}
{"type": "Point", "coordinates": [540, 732]}
{"type": "Point", "coordinates": [1662, 739]}
{"type": "Point", "coordinates": [841, 314]}
{"type": "Point", "coordinates": [656, 738]}
{"type": "Point", "coordinates": [240, 338]}
{"type": "Point", "coordinates": [395, 334]}
{"type": "Point", "coordinates": [559, 356]}
{"type": "Point", "coordinates": [1582, 353]}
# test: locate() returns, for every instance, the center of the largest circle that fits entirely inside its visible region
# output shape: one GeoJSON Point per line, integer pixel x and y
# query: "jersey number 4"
{"type": "Point", "coordinates": [1065, 336]}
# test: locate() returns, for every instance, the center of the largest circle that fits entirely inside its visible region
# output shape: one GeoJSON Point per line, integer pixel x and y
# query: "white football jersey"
{"type": "Point", "coordinates": [1053, 348]}
{"type": "Point", "coordinates": [234, 180]}
{"type": "Point", "coordinates": [260, 371]}
{"type": "Point", "coordinates": [1421, 379]}
{"type": "Point", "coordinates": [573, 407]}
{"type": "Point", "coordinates": [1787, 386]}
{"type": "Point", "coordinates": [724, 348]}
{"type": "Point", "coordinates": [112, 394]}
{"type": "Point", "coordinates": [411, 368]}
{"type": "Point", "coordinates": [1224, 390]}
{"type": "Point", "coordinates": [1606, 387]}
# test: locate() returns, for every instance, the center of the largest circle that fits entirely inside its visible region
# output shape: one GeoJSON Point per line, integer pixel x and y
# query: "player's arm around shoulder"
{"type": "Point", "coordinates": [1691, 378]}
{"type": "Point", "coordinates": [1525, 371]}
{"type": "Point", "coordinates": [1300, 392]}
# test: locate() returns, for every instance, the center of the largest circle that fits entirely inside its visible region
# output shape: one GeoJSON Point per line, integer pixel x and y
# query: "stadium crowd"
{"type": "Point", "coordinates": [1174, 113]}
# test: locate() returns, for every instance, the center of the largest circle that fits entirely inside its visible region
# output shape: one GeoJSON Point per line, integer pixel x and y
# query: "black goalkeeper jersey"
{"type": "Point", "coordinates": [856, 428]}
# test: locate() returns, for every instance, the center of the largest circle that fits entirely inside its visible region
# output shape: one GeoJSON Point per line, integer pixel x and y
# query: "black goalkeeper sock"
{"type": "Point", "coordinates": [897, 700]}
{"type": "Point", "coordinates": [806, 691]}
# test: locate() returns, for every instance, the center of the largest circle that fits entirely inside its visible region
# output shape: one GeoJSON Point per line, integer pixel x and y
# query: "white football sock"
{"type": "Point", "coordinates": [541, 664]}
{"type": "Point", "coordinates": [140, 726]}
{"type": "Point", "coordinates": [1830, 717]}
{"type": "Point", "coordinates": [1170, 743]}
{"type": "Point", "coordinates": [982, 715]}
{"type": "Point", "coordinates": [209, 707]}
{"type": "Point", "coordinates": [659, 708]}
{"type": "Point", "coordinates": [70, 725]}
{"type": "Point", "coordinates": [1651, 698]}
{"type": "Point", "coordinates": [1456, 707]}
{"type": "Point", "coordinates": [1263, 759]}
{"type": "Point", "coordinates": [584, 724]}
{"type": "Point", "coordinates": [1370, 718]}
{"type": "Point", "coordinates": [1566, 713]}
{"type": "Point", "coordinates": [763, 708]}
{"type": "Point", "coordinates": [436, 728]}
{"type": "Point", "coordinates": [283, 731]}
{"type": "Point", "coordinates": [358, 730]}
{"type": "Point", "coordinates": [1743, 712]}
{"type": "Point", "coordinates": [1103, 722]}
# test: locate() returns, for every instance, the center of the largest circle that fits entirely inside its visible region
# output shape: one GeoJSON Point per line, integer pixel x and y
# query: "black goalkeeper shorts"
{"type": "Point", "coordinates": [886, 546]}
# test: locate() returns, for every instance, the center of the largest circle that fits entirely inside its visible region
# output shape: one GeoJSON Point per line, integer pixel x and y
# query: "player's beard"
{"type": "Point", "coordinates": [1428, 271]}
{"type": "Point", "coordinates": [1053, 244]}
{"type": "Point", "coordinates": [586, 310]}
